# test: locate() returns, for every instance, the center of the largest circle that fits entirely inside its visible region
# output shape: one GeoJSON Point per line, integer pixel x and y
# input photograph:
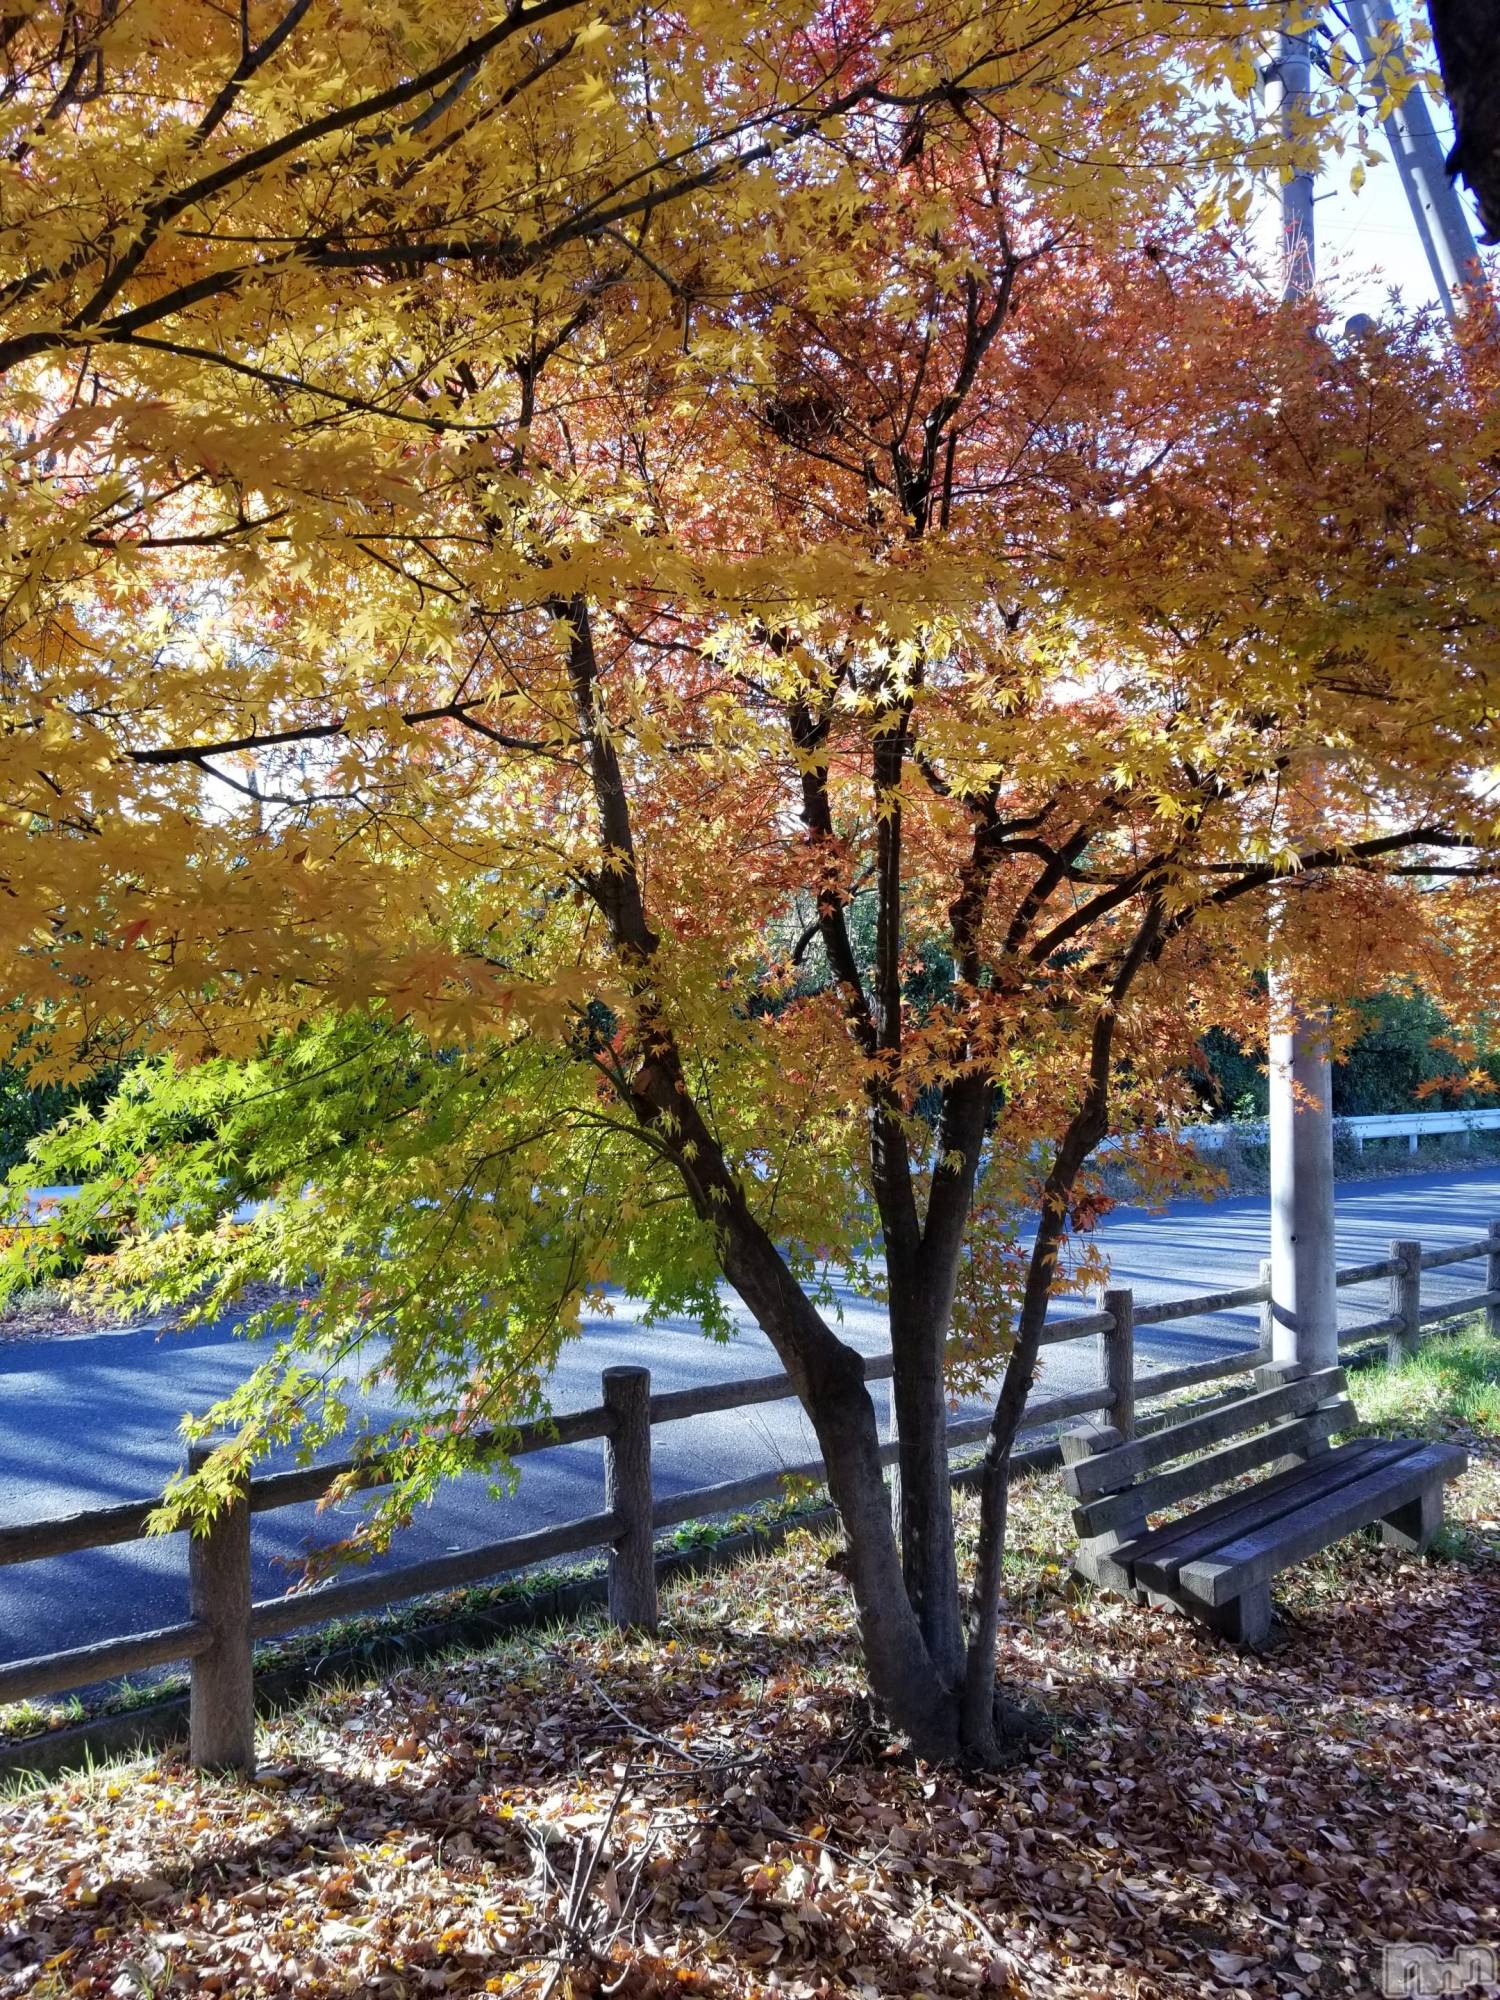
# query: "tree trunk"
{"type": "Point", "coordinates": [979, 1726]}
{"type": "Point", "coordinates": [918, 1698]}
{"type": "Point", "coordinates": [929, 1561]}
{"type": "Point", "coordinates": [829, 1376]}
{"type": "Point", "coordinates": [978, 1729]}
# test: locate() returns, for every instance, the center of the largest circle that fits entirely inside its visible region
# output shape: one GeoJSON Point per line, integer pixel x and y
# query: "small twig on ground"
{"type": "Point", "coordinates": [1001, 1951]}
{"type": "Point", "coordinates": [585, 1866]}
{"type": "Point", "coordinates": [713, 1766]}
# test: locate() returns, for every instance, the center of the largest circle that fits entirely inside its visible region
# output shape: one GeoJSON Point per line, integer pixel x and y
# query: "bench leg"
{"type": "Point", "coordinates": [1244, 1620]}
{"type": "Point", "coordinates": [1412, 1528]}
{"type": "Point", "coordinates": [1094, 1560]}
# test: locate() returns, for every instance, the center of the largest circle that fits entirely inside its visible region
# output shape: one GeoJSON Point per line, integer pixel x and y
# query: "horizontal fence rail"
{"type": "Point", "coordinates": [218, 1638]}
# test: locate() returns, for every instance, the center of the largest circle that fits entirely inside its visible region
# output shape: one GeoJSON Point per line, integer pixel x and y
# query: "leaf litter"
{"type": "Point", "coordinates": [718, 1812]}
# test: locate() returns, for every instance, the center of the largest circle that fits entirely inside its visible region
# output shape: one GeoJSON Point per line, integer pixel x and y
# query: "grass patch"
{"type": "Point", "coordinates": [33, 1718]}
{"type": "Point", "coordinates": [1451, 1385]}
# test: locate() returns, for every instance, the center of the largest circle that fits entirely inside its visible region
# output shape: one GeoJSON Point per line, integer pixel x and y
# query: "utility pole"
{"type": "Point", "coordinates": [1292, 81]}
{"type": "Point", "coordinates": [1304, 1297]}
{"type": "Point", "coordinates": [1436, 209]}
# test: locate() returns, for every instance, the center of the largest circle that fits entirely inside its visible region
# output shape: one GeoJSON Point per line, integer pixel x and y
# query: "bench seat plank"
{"type": "Point", "coordinates": [1110, 1471]}
{"type": "Point", "coordinates": [1208, 1528]}
{"type": "Point", "coordinates": [1238, 1566]}
{"type": "Point", "coordinates": [1214, 1468]}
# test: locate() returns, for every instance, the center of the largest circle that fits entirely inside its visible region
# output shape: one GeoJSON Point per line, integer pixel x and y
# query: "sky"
{"type": "Point", "coordinates": [1366, 241]}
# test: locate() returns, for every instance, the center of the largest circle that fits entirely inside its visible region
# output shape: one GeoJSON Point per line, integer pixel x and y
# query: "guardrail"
{"type": "Point", "coordinates": [219, 1635]}
{"type": "Point", "coordinates": [1413, 1126]}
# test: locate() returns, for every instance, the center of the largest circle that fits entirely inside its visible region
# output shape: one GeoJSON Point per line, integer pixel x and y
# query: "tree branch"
{"type": "Point", "coordinates": [453, 711]}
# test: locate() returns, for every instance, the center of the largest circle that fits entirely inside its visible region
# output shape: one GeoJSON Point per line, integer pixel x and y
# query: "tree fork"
{"type": "Point", "coordinates": [1084, 1132]}
{"type": "Point", "coordinates": [828, 1374]}
{"type": "Point", "coordinates": [830, 1380]}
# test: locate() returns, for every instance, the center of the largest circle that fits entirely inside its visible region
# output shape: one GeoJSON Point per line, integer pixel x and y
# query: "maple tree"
{"type": "Point", "coordinates": [647, 653]}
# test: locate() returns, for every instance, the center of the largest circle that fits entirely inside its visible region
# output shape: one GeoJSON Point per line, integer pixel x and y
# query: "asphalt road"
{"type": "Point", "coordinates": [93, 1419]}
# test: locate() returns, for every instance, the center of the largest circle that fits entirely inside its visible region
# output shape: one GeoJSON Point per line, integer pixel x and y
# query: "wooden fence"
{"type": "Point", "coordinates": [218, 1636]}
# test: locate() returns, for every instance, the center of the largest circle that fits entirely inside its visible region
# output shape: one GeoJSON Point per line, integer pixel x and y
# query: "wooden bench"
{"type": "Point", "coordinates": [1217, 1561]}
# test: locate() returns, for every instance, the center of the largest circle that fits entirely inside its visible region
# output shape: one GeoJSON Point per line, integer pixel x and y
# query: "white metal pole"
{"type": "Point", "coordinates": [1304, 1297]}
{"type": "Point", "coordinates": [1436, 209]}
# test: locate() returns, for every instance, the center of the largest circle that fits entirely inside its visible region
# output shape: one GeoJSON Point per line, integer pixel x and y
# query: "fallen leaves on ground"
{"type": "Point", "coordinates": [715, 1812]}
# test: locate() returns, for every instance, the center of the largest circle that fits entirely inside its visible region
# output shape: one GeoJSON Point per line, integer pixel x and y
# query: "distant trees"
{"type": "Point", "coordinates": [1401, 1052]}
{"type": "Point", "coordinates": [29, 1109]}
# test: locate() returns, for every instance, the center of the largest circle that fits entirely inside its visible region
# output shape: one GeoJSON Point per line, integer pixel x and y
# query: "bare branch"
{"type": "Point", "coordinates": [270, 739]}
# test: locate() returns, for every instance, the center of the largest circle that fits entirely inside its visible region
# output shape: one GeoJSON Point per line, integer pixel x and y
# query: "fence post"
{"type": "Point", "coordinates": [1406, 1301]}
{"type": "Point", "coordinates": [1117, 1357]}
{"type": "Point", "coordinates": [221, 1685]}
{"type": "Point", "coordinates": [1267, 1311]}
{"type": "Point", "coordinates": [1492, 1280]}
{"type": "Point", "coordinates": [627, 1492]}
